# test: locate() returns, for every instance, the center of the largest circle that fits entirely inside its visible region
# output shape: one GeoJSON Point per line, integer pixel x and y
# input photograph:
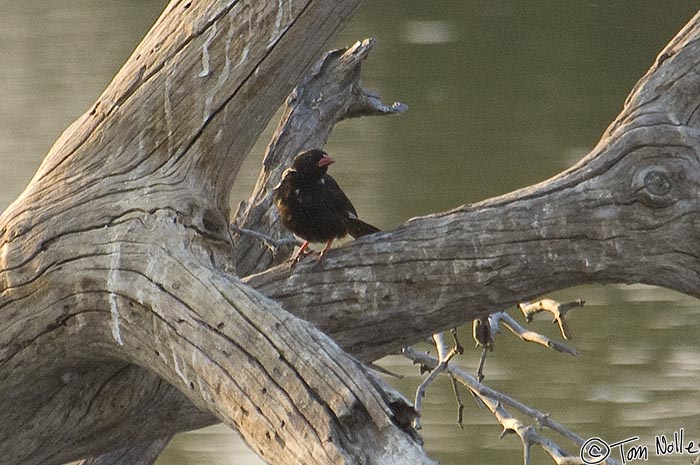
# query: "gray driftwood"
{"type": "Point", "coordinates": [330, 93]}
{"type": "Point", "coordinates": [123, 321]}
{"type": "Point", "coordinates": [629, 212]}
{"type": "Point", "coordinates": [118, 255]}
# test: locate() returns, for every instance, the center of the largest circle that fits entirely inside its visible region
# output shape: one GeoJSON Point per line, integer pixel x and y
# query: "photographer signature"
{"type": "Point", "coordinates": [596, 450]}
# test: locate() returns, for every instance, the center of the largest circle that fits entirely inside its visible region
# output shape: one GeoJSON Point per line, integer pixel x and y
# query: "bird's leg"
{"type": "Point", "coordinates": [297, 256]}
{"type": "Point", "coordinates": [323, 252]}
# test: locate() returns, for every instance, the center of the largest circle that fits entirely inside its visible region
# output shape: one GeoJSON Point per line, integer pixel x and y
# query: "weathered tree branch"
{"type": "Point", "coordinates": [149, 286]}
{"type": "Point", "coordinates": [336, 77]}
{"type": "Point", "coordinates": [118, 254]}
{"type": "Point", "coordinates": [626, 213]}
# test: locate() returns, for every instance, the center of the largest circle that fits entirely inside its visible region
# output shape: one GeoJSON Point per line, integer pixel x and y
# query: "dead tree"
{"type": "Point", "coordinates": [123, 318]}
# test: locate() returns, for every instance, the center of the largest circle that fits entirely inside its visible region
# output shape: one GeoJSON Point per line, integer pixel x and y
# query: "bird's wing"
{"type": "Point", "coordinates": [334, 197]}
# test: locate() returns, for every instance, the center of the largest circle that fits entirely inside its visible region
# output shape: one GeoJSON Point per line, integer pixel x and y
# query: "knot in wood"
{"type": "Point", "coordinates": [654, 186]}
{"type": "Point", "coordinates": [657, 183]}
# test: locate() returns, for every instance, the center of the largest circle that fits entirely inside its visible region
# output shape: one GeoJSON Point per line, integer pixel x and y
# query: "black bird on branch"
{"type": "Point", "coordinates": [313, 206]}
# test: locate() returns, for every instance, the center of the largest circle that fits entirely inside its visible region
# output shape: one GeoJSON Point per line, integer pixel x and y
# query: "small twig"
{"type": "Point", "coordinates": [483, 336]}
{"type": "Point", "coordinates": [530, 336]}
{"type": "Point", "coordinates": [456, 349]}
{"type": "Point", "coordinates": [482, 362]}
{"type": "Point", "coordinates": [444, 356]}
{"type": "Point", "coordinates": [384, 371]}
{"type": "Point", "coordinates": [460, 404]}
{"type": "Point", "coordinates": [420, 393]}
{"type": "Point", "coordinates": [269, 241]}
{"type": "Point", "coordinates": [458, 346]}
{"type": "Point", "coordinates": [441, 347]}
{"type": "Point", "coordinates": [484, 329]}
{"type": "Point", "coordinates": [557, 310]}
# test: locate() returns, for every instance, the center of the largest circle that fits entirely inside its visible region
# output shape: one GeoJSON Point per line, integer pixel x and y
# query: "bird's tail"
{"type": "Point", "coordinates": [358, 228]}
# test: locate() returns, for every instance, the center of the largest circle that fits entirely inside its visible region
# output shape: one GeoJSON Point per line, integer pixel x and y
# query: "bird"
{"type": "Point", "coordinates": [312, 205]}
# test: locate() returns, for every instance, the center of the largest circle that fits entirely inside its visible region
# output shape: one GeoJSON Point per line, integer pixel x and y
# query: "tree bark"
{"type": "Point", "coordinates": [330, 93]}
{"type": "Point", "coordinates": [128, 261]}
{"type": "Point", "coordinates": [116, 266]}
{"type": "Point", "coordinates": [626, 213]}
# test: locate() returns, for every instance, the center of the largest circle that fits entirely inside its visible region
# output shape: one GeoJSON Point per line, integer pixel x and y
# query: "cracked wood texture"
{"type": "Point", "coordinates": [330, 93]}
{"type": "Point", "coordinates": [629, 212]}
{"type": "Point", "coordinates": [115, 263]}
{"type": "Point", "coordinates": [114, 266]}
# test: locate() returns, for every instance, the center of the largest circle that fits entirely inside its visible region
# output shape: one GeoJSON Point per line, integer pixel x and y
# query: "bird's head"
{"type": "Point", "coordinates": [312, 163]}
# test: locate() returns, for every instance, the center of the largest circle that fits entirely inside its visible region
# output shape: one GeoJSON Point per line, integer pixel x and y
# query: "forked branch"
{"type": "Point", "coordinates": [497, 402]}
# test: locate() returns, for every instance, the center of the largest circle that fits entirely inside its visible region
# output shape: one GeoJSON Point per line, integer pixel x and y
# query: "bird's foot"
{"type": "Point", "coordinates": [319, 260]}
{"type": "Point", "coordinates": [301, 253]}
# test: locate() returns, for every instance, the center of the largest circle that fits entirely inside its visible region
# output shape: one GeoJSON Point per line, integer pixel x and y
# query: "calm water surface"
{"type": "Point", "coordinates": [501, 95]}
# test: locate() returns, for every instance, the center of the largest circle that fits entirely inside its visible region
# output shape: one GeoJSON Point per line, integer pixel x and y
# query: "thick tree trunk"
{"type": "Point", "coordinates": [117, 255]}
{"type": "Point", "coordinates": [120, 306]}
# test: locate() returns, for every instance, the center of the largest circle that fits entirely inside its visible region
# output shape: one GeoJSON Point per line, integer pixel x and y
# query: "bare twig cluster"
{"type": "Point", "coordinates": [495, 401]}
{"type": "Point", "coordinates": [484, 329]}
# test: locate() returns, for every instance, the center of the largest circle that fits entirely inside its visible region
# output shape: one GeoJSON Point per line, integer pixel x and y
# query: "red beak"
{"type": "Point", "coordinates": [325, 161]}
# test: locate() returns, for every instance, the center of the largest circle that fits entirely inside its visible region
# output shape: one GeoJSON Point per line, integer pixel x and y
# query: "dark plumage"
{"type": "Point", "coordinates": [313, 206]}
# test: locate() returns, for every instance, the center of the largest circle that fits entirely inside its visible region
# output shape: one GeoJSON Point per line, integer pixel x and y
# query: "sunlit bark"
{"type": "Point", "coordinates": [123, 321]}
